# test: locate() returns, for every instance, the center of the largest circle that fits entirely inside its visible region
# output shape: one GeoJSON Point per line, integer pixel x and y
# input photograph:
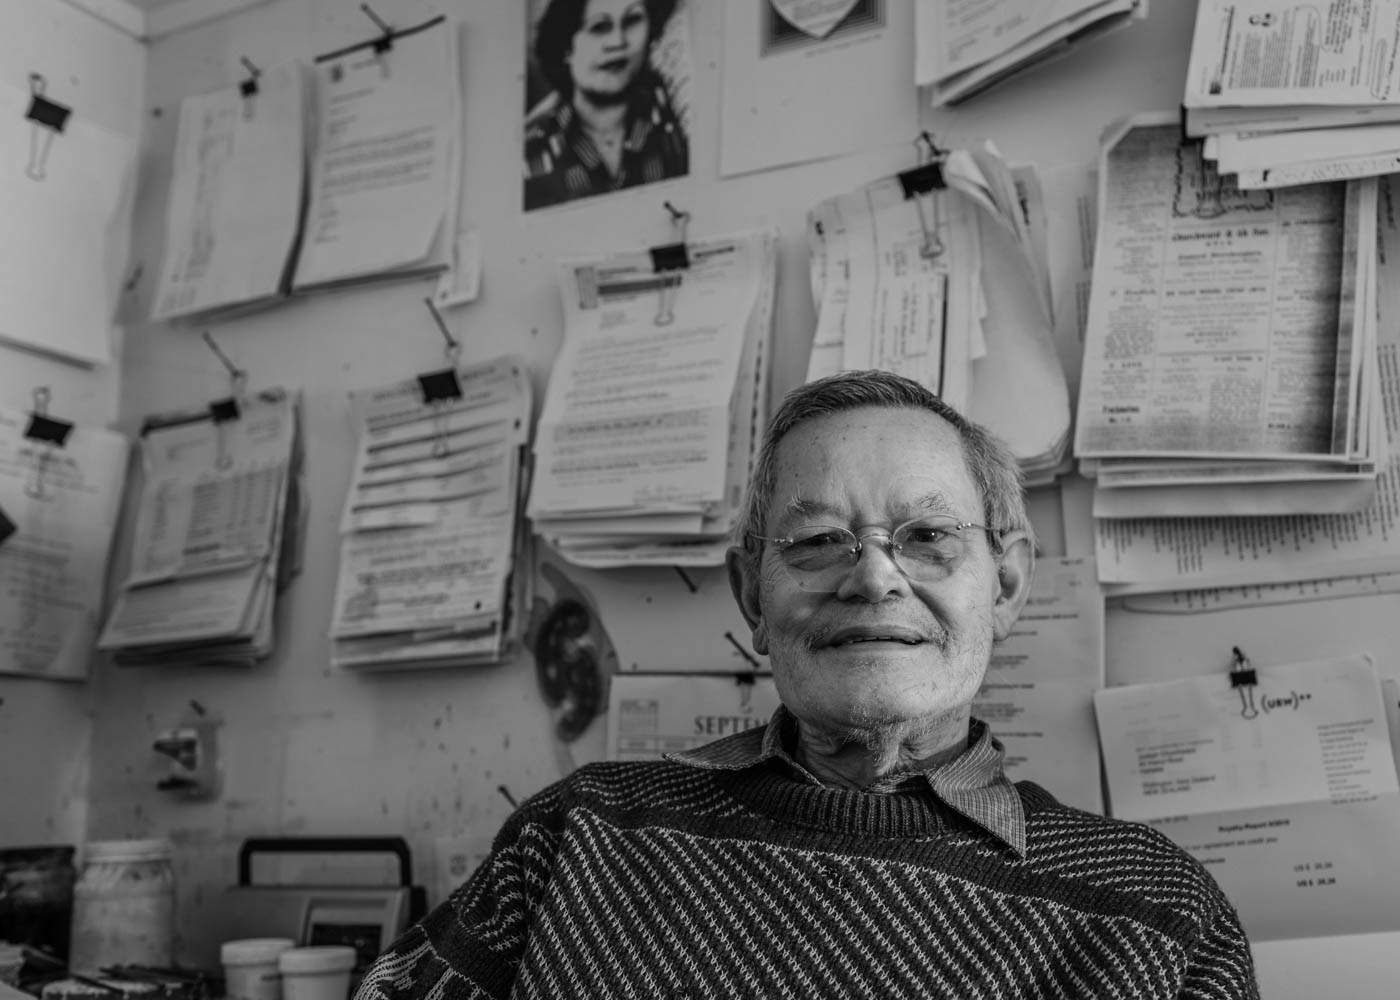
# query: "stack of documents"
{"type": "Point", "coordinates": [656, 403]}
{"type": "Point", "coordinates": [386, 163]}
{"type": "Point", "coordinates": [235, 203]}
{"type": "Point", "coordinates": [942, 277]}
{"type": "Point", "coordinates": [59, 496]}
{"type": "Point", "coordinates": [1280, 780]}
{"type": "Point", "coordinates": [1230, 357]}
{"type": "Point", "coordinates": [1152, 554]}
{"type": "Point", "coordinates": [431, 526]}
{"type": "Point", "coordinates": [964, 48]}
{"type": "Point", "coordinates": [218, 528]}
{"type": "Point", "coordinates": [378, 196]}
{"type": "Point", "coordinates": [1293, 93]}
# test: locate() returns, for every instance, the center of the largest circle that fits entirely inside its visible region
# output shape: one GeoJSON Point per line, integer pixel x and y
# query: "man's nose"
{"type": "Point", "coordinates": [876, 574]}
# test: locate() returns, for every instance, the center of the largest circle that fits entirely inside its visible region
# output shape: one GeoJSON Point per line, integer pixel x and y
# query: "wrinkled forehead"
{"type": "Point", "coordinates": [874, 462]}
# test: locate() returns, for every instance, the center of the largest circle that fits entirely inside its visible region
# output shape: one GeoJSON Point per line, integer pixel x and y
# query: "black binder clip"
{"type": "Point", "coordinates": [1243, 679]}
{"type": "Point", "coordinates": [385, 41]}
{"type": "Point", "coordinates": [248, 87]}
{"type": "Point", "coordinates": [441, 386]}
{"type": "Point", "coordinates": [221, 411]}
{"type": "Point", "coordinates": [668, 260]}
{"type": "Point", "coordinates": [7, 527]}
{"type": "Point", "coordinates": [48, 434]}
{"type": "Point", "coordinates": [925, 182]}
{"type": "Point", "coordinates": [48, 119]}
{"type": "Point", "coordinates": [748, 657]}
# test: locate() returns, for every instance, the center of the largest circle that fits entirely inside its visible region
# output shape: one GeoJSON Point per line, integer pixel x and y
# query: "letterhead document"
{"type": "Point", "coordinates": [385, 168]}
{"type": "Point", "coordinates": [1281, 781]}
{"type": "Point", "coordinates": [60, 502]}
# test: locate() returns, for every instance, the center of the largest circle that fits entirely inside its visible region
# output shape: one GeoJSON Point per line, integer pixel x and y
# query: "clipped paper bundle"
{"type": "Point", "coordinates": [656, 403]}
{"type": "Point", "coordinates": [218, 529]}
{"type": "Point", "coordinates": [431, 529]}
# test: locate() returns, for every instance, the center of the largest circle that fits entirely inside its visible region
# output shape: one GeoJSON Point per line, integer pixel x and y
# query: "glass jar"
{"type": "Point", "coordinates": [123, 906]}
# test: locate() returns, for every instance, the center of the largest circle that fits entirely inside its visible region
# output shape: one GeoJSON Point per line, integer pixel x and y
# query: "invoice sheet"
{"type": "Point", "coordinates": [638, 406]}
{"type": "Point", "coordinates": [1215, 313]}
{"type": "Point", "coordinates": [384, 169]}
{"type": "Point", "coordinates": [213, 489]}
{"type": "Point", "coordinates": [235, 195]}
{"type": "Point", "coordinates": [61, 502]}
{"type": "Point", "coordinates": [650, 715]}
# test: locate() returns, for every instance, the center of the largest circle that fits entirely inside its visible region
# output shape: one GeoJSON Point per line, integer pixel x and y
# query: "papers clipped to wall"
{"type": "Point", "coordinates": [1230, 355]}
{"type": "Point", "coordinates": [252, 216]}
{"type": "Point", "coordinates": [656, 403]}
{"type": "Point", "coordinates": [60, 490]}
{"type": "Point", "coordinates": [939, 273]}
{"type": "Point", "coordinates": [963, 48]}
{"type": "Point", "coordinates": [431, 530]}
{"type": "Point", "coordinates": [219, 524]}
{"type": "Point", "coordinates": [1293, 93]}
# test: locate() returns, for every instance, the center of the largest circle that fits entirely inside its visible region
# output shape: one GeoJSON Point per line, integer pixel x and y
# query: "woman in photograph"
{"type": "Point", "coordinates": [608, 121]}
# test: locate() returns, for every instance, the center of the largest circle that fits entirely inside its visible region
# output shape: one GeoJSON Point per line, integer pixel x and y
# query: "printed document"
{"type": "Point", "coordinates": [1220, 320]}
{"type": "Point", "coordinates": [1283, 784]}
{"type": "Point", "coordinates": [1253, 53]}
{"type": "Point", "coordinates": [650, 715]}
{"type": "Point", "coordinates": [385, 167]}
{"type": "Point", "coordinates": [235, 196]}
{"type": "Point", "coordinates": [430, 526]}
{"type": "Point", "coordinates": [62, 502]}
{"type": "Point", "coordinates": [1038, 695]}
{"type": "Point", "coordinates": [667, 491]}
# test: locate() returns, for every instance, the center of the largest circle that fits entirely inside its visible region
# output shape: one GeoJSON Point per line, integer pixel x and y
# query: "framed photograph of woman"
{"type": "Point", "coordinates": [606, 97]}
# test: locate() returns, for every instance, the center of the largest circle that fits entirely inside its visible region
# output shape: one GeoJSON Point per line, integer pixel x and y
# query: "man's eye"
{"type": "Point", "coordinates": [927, 536]}
{"type": "Point", "coordinates": [819, 540]}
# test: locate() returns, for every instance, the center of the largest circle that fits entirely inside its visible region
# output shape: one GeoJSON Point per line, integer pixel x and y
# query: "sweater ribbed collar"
{"type": "Point", "coordinates": [973, 784]}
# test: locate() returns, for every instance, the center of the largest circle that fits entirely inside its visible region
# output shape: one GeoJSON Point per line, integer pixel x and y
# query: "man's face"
{"type": "Point", "coordinates": [609, 48]}
{"type": "Point", "coordinates": [882, 649]}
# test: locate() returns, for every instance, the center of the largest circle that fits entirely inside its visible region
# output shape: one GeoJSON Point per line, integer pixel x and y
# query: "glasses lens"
{"type": "Point", "coordinates": [928, 548]}
{"type": "Point", "coordinates": [819, 556]}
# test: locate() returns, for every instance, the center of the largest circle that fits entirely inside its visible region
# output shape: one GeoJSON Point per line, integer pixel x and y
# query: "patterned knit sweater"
{"type": "Point", "coordinates": [658, 880]}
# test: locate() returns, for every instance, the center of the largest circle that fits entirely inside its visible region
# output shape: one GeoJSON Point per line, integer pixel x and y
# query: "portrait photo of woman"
{"type": "Point", "coordinates": [601, 114]}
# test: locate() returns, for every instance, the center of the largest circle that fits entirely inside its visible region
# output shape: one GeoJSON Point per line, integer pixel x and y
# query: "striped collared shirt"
{"type": "Point", "coordinates": [973, 784]}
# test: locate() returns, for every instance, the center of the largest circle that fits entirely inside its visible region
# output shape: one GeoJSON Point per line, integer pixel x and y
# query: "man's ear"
{"type": "Point", "coordinates": [1014, 582]}
{"type": "Point", "coordinates": [743, 569]}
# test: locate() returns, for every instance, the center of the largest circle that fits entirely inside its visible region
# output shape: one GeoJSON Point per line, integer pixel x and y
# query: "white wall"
{"type": "Point", "coordinates": [309, 750]}
{"type": "Point", "coordinates": [45, 726]}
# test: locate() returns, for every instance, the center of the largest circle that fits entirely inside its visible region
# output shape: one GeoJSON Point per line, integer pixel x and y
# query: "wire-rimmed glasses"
{"type": "Point", "coordinates": [818, 556]}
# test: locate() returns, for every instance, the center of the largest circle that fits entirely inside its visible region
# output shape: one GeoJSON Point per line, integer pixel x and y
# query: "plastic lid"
{"type": "Point", "coordinates": [323, 958]}
{"type": "Point", "coordinates": [128, 850]}
{"type": "Point", "coordinates": [253, 951]}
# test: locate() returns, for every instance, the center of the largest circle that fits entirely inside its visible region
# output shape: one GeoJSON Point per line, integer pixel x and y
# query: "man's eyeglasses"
{"type": "Point", "coordinates": [818, 556]}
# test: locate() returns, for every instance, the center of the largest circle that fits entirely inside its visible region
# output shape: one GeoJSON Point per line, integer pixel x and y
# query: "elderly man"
{"type": "Point", "coordinates": [866, 843]}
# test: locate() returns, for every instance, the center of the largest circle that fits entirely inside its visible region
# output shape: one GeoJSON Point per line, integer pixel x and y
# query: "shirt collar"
{"type": "Point", "coordinates": [973, 784]}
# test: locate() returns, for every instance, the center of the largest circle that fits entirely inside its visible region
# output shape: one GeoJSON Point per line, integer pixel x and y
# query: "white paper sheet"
{"type": "Point", "coordinates": [649, 715]}
{"type": "Point", "coordinates": [62, 501]}
{"type": "Point", "coordinates": [385, 166]}
{"type": "Point", "coordinates": [69, 194]}
{"type": "Point", "coordinates": [1039, 690]}
{"type": "Point", "coordinates": [235, 196]}
{"type": "Point", "coordinates": [778, 104]}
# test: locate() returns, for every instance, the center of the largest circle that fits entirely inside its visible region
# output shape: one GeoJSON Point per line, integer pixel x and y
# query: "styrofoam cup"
{"type": "Point", "coordinates": [316, 973]}
{"type": "Point", "coordinates": [250, 968]}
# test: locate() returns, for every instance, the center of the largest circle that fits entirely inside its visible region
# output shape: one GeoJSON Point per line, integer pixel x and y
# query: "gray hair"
{"type": "Point", "coordinates": [989, 462]}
